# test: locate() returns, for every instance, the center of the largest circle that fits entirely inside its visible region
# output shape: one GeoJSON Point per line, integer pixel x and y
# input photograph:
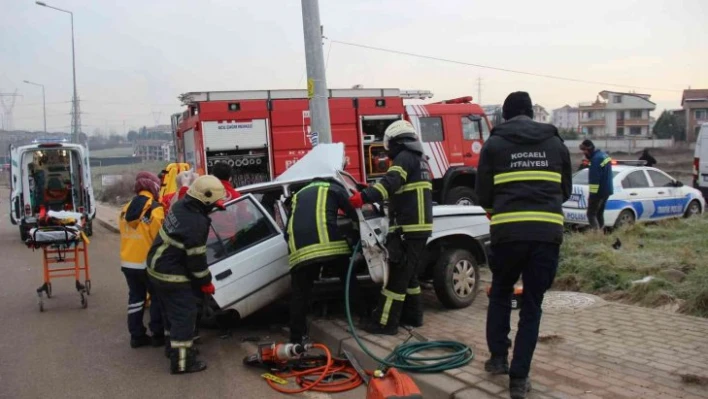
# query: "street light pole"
{"type": "Point", "coordinates": [44, 103]}
{"type": "Point", "coordinates": [316, 78]}
{"type": "Point", "coordinates": [75, 115]}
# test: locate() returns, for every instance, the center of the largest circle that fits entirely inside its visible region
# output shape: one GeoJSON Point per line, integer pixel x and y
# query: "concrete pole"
{"type": "Point", "coordinates": [316, 78]}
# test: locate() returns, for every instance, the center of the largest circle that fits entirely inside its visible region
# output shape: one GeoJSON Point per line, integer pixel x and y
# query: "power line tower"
{"type": "Point", "coordinates": [7, 101]}
{"type": "Point", "coordinates": [75, 120]}
{"type": "Point", "coordinates": [156, 117]}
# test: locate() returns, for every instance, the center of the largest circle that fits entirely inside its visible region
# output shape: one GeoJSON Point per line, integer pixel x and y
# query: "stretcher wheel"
{"type": "Point", "coordinates": [41, 303]}
{"type": "Point", "coordinates": [84, 301]}
{"type": "Point", "coordinates": [87, 284]}
{"type": "Point", "coordinates": [49, 290]}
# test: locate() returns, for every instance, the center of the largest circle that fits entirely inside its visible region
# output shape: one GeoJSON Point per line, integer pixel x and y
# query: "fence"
{"type": "Point", "coordinates": [628, 145]}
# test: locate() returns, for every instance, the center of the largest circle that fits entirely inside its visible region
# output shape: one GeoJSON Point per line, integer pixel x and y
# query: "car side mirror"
{"type": "Point", "coordinates": [677, 183]}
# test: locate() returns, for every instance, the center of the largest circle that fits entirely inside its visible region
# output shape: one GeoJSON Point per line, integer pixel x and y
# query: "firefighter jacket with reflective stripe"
{"type": "Point", "coordinates": [178, 254]}
{"type": "Point", "coordinates": [600, 175]}
{"type": "Point", "coordinates": [312, 232]}
{"type": "Point", "coordinates": [408, 188]}
{"type": "Point", "coordinates": [523, 178]}
{"type": "Point", "coordinates": [139, 222]}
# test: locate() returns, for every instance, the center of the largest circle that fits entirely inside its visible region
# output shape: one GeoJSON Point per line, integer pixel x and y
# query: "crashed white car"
{"type": "Point", "coordinates": [248, 255]}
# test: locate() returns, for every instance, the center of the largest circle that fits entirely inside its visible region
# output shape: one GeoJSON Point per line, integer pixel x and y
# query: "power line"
{"type": "Point", "coordinates": [540, 75]}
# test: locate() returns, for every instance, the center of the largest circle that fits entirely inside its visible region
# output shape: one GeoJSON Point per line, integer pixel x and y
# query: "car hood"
{"type": "Point", "coordinates": [457, 210]}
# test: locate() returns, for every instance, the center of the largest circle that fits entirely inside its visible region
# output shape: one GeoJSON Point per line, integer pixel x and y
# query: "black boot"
{"type": "Point", "coordinates": [137, 342]}
{"type": "Point", "coordinates": [158, 341]}
{"type": "Point", "coordinates": [497, 364]}
{"type": "Point", "coordinates": [519, 387]}
{"type": "Point", "coordinates": [412, 314]}
{"type": "Point", "coordinates": [385, 318]}
{"type": "Point", "coordinates": [184, 360]}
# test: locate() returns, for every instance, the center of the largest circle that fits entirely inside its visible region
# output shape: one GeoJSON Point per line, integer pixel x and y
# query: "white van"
{"type": "Point", "coordinates": [53, 175]}
{"type": "Point", "coordinates": [700, 161]}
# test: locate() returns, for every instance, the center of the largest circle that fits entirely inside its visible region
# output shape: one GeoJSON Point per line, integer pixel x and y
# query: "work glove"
{"type": "Point", "coordinates": [208, 289]}
{"type": "Point", "coordinates": [489, 216]}
{"type": "Point", "coordinates": [356, 200]}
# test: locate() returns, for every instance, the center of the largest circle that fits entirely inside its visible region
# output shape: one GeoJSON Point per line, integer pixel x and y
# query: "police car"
{"type": "Point", "coordinates": [641, 194]}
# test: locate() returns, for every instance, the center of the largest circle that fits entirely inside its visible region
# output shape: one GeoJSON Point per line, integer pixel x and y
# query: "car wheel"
{"type": "Point", "coordinates": [625, 218]}
{"type": "Point", "coordinates": [456, 278]}
{"type": "Point", "coordinates": [693, 209]}
{"type": "Point", "coordinates": [88, 229]}
{"type": "Point", "coordinates": [461, 196]}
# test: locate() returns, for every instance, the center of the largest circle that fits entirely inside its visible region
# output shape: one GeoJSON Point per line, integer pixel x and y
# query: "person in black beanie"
{"type": "Point", "coordinates": [523, 178]}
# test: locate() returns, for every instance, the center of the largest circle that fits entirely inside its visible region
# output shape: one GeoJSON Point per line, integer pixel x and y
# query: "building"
{"type": "Point", "coordinates": [540, 114]}
{"type": "Point", "coordinates": [695, 106]}
{"type": "Point", "coordinates": [566, 117]}
{"type": "Point", "coordinates": [154, 150]}
{"type": "Point", "coordinates": [617, 114]}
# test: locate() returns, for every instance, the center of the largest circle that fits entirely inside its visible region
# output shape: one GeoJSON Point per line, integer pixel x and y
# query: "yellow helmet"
{"type": "Point", "coordinates": [207, 189]}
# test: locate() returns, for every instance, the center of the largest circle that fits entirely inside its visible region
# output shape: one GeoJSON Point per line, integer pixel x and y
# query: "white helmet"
{"type": "Point", "coordinates": [399, 130]}
{"type": "Point", "coordinates": [207, 189]}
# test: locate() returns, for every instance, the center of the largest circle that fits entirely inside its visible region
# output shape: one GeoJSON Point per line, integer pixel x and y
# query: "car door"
{"type": "Point", "coordinates": [669, 202]}
{"type": "Point", "coordinates": [637, 190]}
{"type": "Point", "coordinates": [247, 255]}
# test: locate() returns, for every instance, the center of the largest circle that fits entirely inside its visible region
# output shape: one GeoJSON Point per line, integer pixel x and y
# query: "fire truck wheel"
{"type": "Point", "coordinates": [461, 195]}
{"type": "Point", "coordinates": [456, 278]}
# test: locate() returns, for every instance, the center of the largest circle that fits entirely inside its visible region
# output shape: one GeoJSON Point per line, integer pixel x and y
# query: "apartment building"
{"type": "Point", "coordinates": [154, 150]}
{"type": "Point", "coordinates": [695, 106]}
{"type": "Point", "coordinates": [540, 114]}
{"type": "Point", "coordinates": [566, 117]}
{"type": "Point", "coordinates": [617, 114]}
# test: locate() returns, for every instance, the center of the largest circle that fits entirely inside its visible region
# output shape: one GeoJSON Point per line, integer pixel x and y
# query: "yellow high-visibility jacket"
{"type": "Point", "coordinates": [140, 222]}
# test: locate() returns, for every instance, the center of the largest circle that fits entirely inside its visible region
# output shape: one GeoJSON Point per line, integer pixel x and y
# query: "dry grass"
{"type": "Point", "coordinates": [590, 264]}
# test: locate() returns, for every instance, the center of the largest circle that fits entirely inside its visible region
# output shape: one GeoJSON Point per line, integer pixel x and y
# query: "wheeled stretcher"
{"type": "Point", "coordinates": [65, 253]}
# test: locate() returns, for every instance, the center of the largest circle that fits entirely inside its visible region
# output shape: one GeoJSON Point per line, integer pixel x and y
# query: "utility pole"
{"type": "Point", "coordinates": [7, 107]}
{"type": "Point", "coordinates": [316, 78]}
{"type": "Point", "coordinates": [44, 102]}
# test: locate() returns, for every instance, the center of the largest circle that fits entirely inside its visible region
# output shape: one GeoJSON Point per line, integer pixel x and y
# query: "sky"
{"type": "Point", "coordinates": [133, 58]}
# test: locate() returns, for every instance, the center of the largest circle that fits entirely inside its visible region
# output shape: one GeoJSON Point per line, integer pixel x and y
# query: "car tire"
{"type": "Point", "coordinates": [456, 278]}
{"type": "Point", "coordinates": [88, 229]}
{"type": "Point", "coordinates": [693, 209]}
{"type": "Point", "coordinates": [24, 233]}
{"type": "Point", "coordinates": [625, 218]}
{"type": "Point", "coordinates": [461, 195]}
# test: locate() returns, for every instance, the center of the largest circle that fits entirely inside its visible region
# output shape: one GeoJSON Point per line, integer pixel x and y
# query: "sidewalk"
{"type": "Point", "coordinates": [107, 216]}
{"type": "Point", "coordinates": [604, 350]}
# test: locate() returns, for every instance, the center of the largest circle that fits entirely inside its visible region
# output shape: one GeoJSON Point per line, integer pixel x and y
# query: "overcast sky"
{"type": "Point", "coordinates": [135, 57]}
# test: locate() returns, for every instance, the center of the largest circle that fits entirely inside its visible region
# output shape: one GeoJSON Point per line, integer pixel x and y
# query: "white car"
{"type": "Point", "coordinates": [248, 254]}
{"type": "Point", "coordinates": [641, 194]}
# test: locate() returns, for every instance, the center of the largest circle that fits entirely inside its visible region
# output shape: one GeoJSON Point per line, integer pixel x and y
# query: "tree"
{"type": "Point", "coordinates": [670, 126]}
{"type": "Point", "coordinates": [132, 136]}
{"type": "Point", "coordinates": [568, 134]}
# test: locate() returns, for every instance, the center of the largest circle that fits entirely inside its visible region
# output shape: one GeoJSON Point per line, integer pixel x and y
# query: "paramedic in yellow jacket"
{"type": "Point", "coordinates": [140, 222]}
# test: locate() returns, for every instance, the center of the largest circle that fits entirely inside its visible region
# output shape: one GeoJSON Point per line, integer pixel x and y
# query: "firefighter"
{"type": "Point", "coordinates": [600, 183]}
{"type": "Point", "coordinates": [523, 178]}
{"type": "Point", "coordinates": [177, 261]}
{"type": "Point", "coordinates": [315, 241]}
{"type": "Point", "coordinates": [139, 222]}
{"type": "Point", "coordinates": [222, 171]}
{"type": "Point", "coordinates": [407, 185]}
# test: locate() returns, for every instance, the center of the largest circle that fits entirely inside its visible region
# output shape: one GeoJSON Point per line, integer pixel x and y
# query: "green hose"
{"type": "Point", "coordinates": [405, 356]}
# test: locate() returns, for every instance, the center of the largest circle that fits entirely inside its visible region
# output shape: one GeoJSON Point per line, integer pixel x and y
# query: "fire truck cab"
{"type": "Point", "coordinates": [263, 132]}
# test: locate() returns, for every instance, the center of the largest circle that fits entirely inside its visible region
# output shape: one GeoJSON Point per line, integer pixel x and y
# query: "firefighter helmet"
{"type": "Point", "coordinates": [399, 130]}
{"type": "Point", "coordinates": [207, 190]}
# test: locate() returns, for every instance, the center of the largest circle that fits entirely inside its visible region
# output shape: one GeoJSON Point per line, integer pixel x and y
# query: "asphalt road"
{"type": "Point", "coordinates": [72, 352]}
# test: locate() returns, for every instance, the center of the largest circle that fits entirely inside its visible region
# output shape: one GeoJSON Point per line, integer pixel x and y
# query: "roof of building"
{"type": "Point", "coordinates": [646, 97]}
{"type": "Point", "coordinates": [568, 107]}
{"type": "Point", "coordinates": [694, 95]}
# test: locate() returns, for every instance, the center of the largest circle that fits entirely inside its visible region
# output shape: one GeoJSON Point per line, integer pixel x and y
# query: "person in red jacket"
{"type": "Point", "coordinates": [184, 180]}
{"type": "Point", "coordinates": [222, 172]}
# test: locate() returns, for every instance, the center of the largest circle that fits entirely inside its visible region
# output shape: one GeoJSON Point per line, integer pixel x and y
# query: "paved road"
{"type": "Point", "coordinates": [84, 353]}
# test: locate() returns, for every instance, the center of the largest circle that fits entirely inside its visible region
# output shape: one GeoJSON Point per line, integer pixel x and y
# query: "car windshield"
{"type": "Point", "coordinates": [582, 178]}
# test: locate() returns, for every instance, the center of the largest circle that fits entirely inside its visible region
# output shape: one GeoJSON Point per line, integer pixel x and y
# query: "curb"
{"type": "Point", "coordinates": [107, 225]}
{"type": "Point", "coordinates": [438, 385]}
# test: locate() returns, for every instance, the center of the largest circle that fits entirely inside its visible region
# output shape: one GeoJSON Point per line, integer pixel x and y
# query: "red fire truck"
{"type": "Point", "coordinates": [261, 133]}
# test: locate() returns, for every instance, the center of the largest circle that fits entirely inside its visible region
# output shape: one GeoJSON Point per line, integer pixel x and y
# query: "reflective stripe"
{"type": "Point", "coordinates": [168, 278]}
{"type": "Point", "coordinates": [515, 217]}
{"type": "Point", "coordinates": [196, 251]}
{"type": "Point", "coordinates": [136, 310]}
{"type": "Point", "coordinates": [201, 274]}
{"type": "Point", "coordinates": [413, 291]}
{"type": "Point", "coordinates": [318, 251]}
{"type": "Point", "coordinates": [321, 215]}
{"type": "Point", "coordinates": [390, 297]}
{"type": "Point", "coordinates": [133, 265]}
{"type": "Point", "coordinates": [136, 304]}
{"type": "Point", "coordinates": [605, 161]}
{"type": "Point", "coordinates": [594, 188]}
{"type": "Point", "coordinates": [182, 361]}
{"type": "Point", "coordinates": [181, 344]}
{"type": "Point", "coordinates": [426, 185]}
{"type": "Point", "coordinates": [527, 175]}
{"type": "Point", "coordinates": [421, 206]}
{"type": "Point", "coordinates": [169, 240]}
{"type": "Point", "coordinates": [411, 228]}
{"type": "Point", "coordinates": [400, 170]}
{"type": "Point", "coordinates": [291, 236]}
{"type": "Point", "coordinates": [380, 188]}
